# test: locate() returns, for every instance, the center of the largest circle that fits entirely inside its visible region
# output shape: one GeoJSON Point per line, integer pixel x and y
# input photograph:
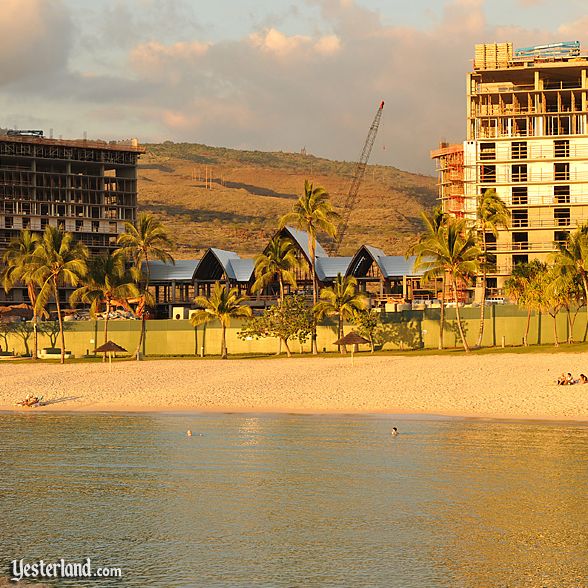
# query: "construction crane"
{"type": "Point", "coordinates": [358, 174]}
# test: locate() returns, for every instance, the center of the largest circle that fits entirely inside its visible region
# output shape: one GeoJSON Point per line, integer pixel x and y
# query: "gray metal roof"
{"type": "Point", "coordinates": [182, 271]}
{"type": "Point", "coordinates": [398, 266]}
{"type": "Point", "coordinates": [301, 238]}
{"type": "Point", "coordinates": [224, 256]}
{"type": "Point", "coordinates": [241, 270]}
{"type": "Point", "coordinates": [374, 251]}
{"type": "Point", "coordinates": [327, 268]}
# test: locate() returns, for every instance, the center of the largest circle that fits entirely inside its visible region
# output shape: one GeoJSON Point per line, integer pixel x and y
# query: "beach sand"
{"type": "Point", "coordinates": [505, 385]}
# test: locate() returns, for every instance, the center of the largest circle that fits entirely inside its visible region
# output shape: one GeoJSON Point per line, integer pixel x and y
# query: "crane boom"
{"type": "Point", "coordinates": [358, 174]}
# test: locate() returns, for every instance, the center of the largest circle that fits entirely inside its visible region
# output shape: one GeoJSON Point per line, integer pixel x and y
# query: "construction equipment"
{"type": "Point", "coordinates": [351, 198]}
{"type": "Point", "coordinates": [24, 133]}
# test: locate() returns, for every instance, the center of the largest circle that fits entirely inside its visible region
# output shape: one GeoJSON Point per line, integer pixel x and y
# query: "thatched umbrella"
{"type": "Point", "coordinates": [352, 339]}
{"type": "Point", "coordinates": [109, 347]}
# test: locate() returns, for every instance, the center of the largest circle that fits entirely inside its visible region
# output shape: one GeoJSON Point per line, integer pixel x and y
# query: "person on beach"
{"type": "Point", "coordinates": [394, 432]}
{"type": "Point", "coordinates": [583, 379]}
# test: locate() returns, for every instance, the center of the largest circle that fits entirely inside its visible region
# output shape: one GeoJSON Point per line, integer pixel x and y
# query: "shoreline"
{"type": "Point", "coordinates": [260, 411]}
{"type": "Point", "coordinates": [494, 386]}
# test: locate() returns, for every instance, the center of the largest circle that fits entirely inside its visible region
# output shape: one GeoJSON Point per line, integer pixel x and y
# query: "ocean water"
{"type": "Point", "coordinates": [290, 500]}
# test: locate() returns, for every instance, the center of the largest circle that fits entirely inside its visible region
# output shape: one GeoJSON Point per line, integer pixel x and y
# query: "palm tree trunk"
{"type": "Point", "coordinates": [224, 354]}
{"type": "Point", "coordinates": [585, 282]}
{"type": "Point", "coordinates": [33, 299]}
{"type": "Point", "coordinates": [342, 348]}
{"type": "Point", "coordinates": [60, 319]}
{"type": "Point", "coordinates": [142, 334]}
{"type": "Point", "coordinates": [556, 341]}
{"type": "Point", "coordinates": [35, 337]}
{"type": "Point", "coordinates": [312, 249]}
{"type": "Point", "coordinates": [442, 314]}
{"type": "Point", "coordinates": [281, 282]}
{"type": "Point", "coordinates": [483, 301]}
{"type": "Point", "coordinates": [106, 325]}
{"type": "Point", "coordinates": [459, 325]}
{"type": "Point", "coordinates": [526, 339]}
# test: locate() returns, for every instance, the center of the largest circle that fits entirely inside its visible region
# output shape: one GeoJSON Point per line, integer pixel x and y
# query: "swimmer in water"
{"type": "Point", "coordinates": [394, 432]}
{"type": "Point", "coordinates": [189, 433]}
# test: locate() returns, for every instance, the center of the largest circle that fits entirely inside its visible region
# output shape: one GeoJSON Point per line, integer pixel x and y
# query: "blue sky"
{"type": "Point", "coordinates": [261, 74]}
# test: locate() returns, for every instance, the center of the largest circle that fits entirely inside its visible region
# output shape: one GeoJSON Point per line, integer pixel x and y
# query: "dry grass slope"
{"type": "Point", "coordinates": [252, 189]}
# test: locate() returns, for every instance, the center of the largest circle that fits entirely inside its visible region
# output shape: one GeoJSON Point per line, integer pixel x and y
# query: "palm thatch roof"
{"type": "Point", "coordinates": [352, 339]}
{"type": "Point", "coordinates": [109, 346]}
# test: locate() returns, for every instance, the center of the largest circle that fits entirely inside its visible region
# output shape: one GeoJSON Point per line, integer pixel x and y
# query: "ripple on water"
{"type": "Point", "coordinates": [291, 500]}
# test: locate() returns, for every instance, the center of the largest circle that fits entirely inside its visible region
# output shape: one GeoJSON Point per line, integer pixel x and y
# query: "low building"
{"type": "Point", "coordinates": [383, 278]}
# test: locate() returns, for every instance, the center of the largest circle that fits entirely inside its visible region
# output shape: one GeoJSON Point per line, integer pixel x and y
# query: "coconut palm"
{"type": "Point", "coordinates": [572, 257]}
{"type": "Point", "coordinates": [313, 212]}
{"type": "Point", "coordinates": [492, 213]}
{"type": "Point", "coordinates": [452, 251]}
{"type": "Point", "coordinates": [433, 223]}
{"type": "Point", "coordinates": [17, 269]}
{"type": "Point", "coordinates": [278, 260]}
{"type": "Point", "coordinates": [59, 260]}
{"type": "Point", "coordinates": [225, 303]}
{"type": "Point", "coordinates": [107, 283]}
{"type": "Point", "coordinates": [521, 286]}
{"type": "Point", "coordinates": [341, 299]}
{"type": "Point", "coordinates": [144, 241]}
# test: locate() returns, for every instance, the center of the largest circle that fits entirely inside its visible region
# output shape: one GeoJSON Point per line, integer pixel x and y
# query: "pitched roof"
{"type": "Point", "coordinates": [241, 270]}
{"type": "Point", "coordinates": [398, 265]}
{"type": "Point", "coordinates": [327, 268]}
{"type": "Point", "coordinates": [301, 239]}
{"type": "Point", "coordinates": [224, 256]}
{"type": "Point", "coordinates": [182, 271]}
{"type": "Point", "coordinates": [214, 264]}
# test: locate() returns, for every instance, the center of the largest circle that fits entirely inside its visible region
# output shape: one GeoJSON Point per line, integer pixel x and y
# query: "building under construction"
{"type": "Point", "coordinates": [87, 188]}
{"type": "Point", "coordinates": [527, 138]}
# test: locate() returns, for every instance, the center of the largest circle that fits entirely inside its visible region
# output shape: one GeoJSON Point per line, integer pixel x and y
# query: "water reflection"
{"type": "Point", "coordinates": [297, 500]}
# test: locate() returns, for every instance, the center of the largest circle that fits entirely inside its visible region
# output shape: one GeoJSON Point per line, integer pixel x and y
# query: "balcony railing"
{"type": "Point", "coordinates": [519, 223]}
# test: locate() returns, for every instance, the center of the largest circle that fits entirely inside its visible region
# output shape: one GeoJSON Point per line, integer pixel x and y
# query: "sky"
{"type": "Point", "coordinates": [261, 74]}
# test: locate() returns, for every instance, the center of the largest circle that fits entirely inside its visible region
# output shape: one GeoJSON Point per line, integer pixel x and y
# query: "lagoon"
{"type": "Point", "coordinates": [293, 500]}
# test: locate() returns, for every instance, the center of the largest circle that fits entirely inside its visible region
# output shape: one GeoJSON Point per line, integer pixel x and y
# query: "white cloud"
{"type": "Point", "coordinates": [34, 38]}
{"type": "Point", "coordinates": [266, 90]}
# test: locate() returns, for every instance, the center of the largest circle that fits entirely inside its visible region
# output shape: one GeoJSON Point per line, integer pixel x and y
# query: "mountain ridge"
{"type": "Point", "coordinates": [232, 199]}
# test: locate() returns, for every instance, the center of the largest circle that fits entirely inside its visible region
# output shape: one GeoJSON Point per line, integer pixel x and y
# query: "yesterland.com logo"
{"type": "Point", "coordinates": [20, 570]}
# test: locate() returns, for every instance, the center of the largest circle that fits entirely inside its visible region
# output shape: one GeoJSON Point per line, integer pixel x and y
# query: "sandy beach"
{"type": "Point", "coordinates": [501, 385]}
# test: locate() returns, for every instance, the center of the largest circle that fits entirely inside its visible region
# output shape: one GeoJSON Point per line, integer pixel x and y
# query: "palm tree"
{"type": "Point", "coordinates": [143, 241]}
{"type": "Point", "coordinates": [225, 303]}
{"type": "Point", "coordinates": [59, 260]}
{"type": "Point", "coordinates": [313, 212]}
{"type": "Point", "coordinates": [572, 257]}
{"type": "Point", "coordinates": [521, 287]}
{"type": "Point", "coordinates": [279, 259]}
{"type": "Point", "coordinates": [17, 268]}
{"type": "Point", "coordinates": [492, 213]}
{"type": "Point", "coordinates": [433, 224]}
{"type": "Point", "coordinates": [107, 282]}
{"type": "Point", "coordinates": [452, 251]}
{"type": "Point", "coordinates": [342, 300]}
